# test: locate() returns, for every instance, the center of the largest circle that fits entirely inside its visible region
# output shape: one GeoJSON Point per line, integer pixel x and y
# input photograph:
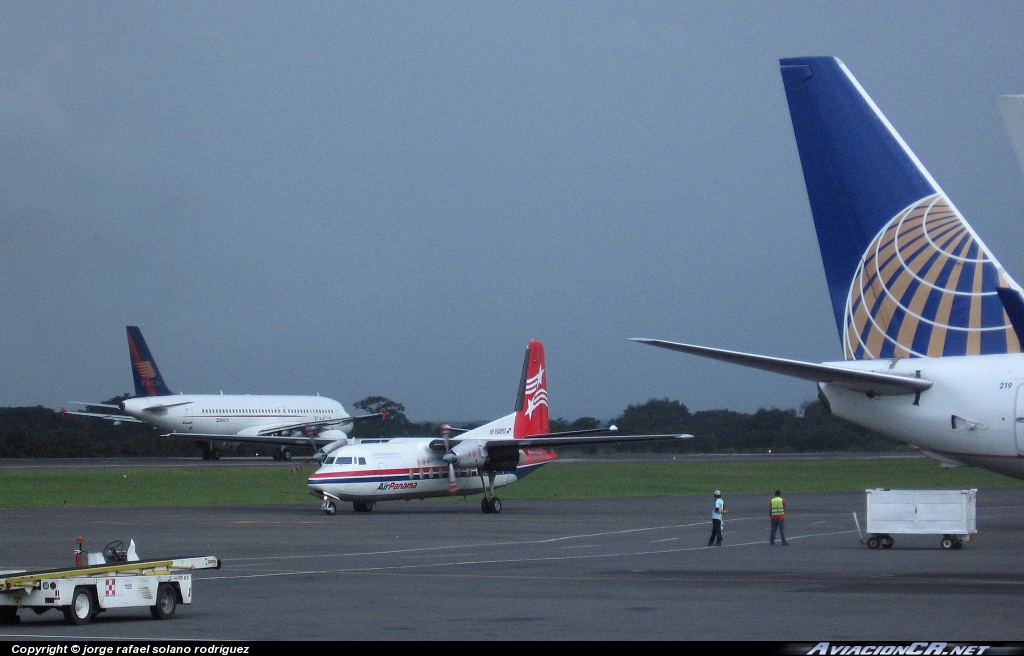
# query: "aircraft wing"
{"type": "Point", "coordinates": [277, 428]}
{"type": "Point", "coordinates": [545, 441]}
{"type": "Point", "coordinates": [270, 434]}
{"type": "Point", "coordinates": [279, 440]}
{"type": "Point", "coordinates": [869, 382]}
{"type": "Point", "coordinates": [570, 438]}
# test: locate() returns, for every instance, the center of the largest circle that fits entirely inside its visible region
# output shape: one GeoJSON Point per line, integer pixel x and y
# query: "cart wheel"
{"type": "Point", "coordinates": [947, 542]}
{"type": "Point", "coordinates": [873, 542]}
{"type": "Point", "coordinates": [9, 615]}
{"type": "Point", "coordinates": [887, 542]}
{"type": "Point", "coordinates": [166, 602]}
{"type": "Point", "coordinates": [959, 544]}
{"type": "Point", "coordinates": [81, 609]}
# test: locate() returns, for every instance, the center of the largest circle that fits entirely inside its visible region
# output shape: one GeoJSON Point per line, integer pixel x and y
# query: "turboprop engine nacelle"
{"type": "Point", "coordinates": [340, 440]}
{"type": "Point", "coordinates": [467, 454]}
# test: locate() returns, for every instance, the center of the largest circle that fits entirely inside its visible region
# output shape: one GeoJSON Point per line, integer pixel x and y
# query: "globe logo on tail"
{"type": "Point", "coordinates": [926, 287]}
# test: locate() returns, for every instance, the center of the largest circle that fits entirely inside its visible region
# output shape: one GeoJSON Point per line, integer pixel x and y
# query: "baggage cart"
{"type": "Point", "coordinates": [948, 513]}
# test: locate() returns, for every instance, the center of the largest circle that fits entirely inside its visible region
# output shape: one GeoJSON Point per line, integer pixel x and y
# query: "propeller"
{"type": "Point", "coordinates": [449, 457]}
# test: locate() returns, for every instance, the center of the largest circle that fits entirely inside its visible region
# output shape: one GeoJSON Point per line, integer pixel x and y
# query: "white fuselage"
{"type": "Point", "coordinates": [969, 415]}
{"type": "Point", "coordinates": [406, 468]}
{"type": "Point", "coordinates": [231, 414]}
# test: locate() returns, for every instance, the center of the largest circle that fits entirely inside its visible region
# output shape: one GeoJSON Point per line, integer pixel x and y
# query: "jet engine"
{"type": "Point", "coordinates": [340, 440]}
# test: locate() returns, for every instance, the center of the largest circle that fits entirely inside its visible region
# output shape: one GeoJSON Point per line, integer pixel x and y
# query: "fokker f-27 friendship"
{"type": "Point", "coordinates": [477, 461]}
{"type": "Point", "coordinates": [284, 422]}
{"type": "Point", "coordinates": [930, 323]}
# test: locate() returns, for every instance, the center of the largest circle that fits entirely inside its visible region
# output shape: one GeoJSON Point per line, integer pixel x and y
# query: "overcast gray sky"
{"type": "Point", "coordinates": [393, 198]}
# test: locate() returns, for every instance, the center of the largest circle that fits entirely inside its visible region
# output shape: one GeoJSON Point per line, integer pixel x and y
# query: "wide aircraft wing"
{"type": "Point", "coordinates": [277, 440]}
{"type": "Point", "coordinates": [873, 383]}
{"type": "Point", "coordinates": [553, 440]}
{"type": "Point", "coordinates": [305, 425]}
{"type": "Point", "coordinates": [272, 434]}
{"type": "Point", "coordinates": [567, 438]}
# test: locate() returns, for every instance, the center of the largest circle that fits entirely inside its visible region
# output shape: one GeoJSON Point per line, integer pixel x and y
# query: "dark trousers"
{"type": "Point", "coordinates": [780, 525]}
{"type": "Point", "coordinates": [716, 532]}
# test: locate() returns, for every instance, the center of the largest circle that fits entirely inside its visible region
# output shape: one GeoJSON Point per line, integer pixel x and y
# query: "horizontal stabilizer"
{"type": "Point", "coordinates": [869, 382]}
{"type": "Point", "coordinates": [101, 415]}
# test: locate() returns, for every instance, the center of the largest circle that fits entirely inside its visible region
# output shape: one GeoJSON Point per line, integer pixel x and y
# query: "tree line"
{"type": "Point", "coordinates": [39, 432]}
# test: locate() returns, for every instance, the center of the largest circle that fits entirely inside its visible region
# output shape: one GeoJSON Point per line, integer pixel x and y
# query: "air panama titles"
{"type": "Point", "coordinates": [398, 486]}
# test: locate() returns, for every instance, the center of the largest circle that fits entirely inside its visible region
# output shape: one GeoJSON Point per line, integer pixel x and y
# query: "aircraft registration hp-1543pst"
{"type": "Point", "coordinates": [280, 421]}
{"type": "Point", "coordinates": [931, 324]}
{"type": "Point", "coordinates": [477, 461]}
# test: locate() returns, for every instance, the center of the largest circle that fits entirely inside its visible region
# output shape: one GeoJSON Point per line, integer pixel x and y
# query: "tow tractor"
{"type": "Point", "coordinates": [112, 578]}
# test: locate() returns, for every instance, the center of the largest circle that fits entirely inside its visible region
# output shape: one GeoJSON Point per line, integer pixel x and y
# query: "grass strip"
{"type": "Point", "coordinates": [209, 486]}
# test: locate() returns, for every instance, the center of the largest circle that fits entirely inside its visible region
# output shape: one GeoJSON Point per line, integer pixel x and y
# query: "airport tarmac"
{"type": "Point", "coordinates": [611, 569]}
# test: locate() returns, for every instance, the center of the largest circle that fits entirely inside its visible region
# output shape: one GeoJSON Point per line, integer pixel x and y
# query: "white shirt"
{"type": "Point", "coordinates": [719, 506]}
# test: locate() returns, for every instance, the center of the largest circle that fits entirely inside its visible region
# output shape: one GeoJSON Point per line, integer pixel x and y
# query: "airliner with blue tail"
{"type": "Point", "coordinates": [477, 461]}
{"type": "Point", "coordinates": [930, 322]}
{"type": "Point", "coordinates": [282, 422]}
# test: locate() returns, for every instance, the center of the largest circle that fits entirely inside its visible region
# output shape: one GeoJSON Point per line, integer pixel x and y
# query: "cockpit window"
{"type": "Point", "coordinates": [343, 460]}
{"type": "Point", "coordinates": [362, 460]}
{"type": "Point", "coordinates": [329, 461]}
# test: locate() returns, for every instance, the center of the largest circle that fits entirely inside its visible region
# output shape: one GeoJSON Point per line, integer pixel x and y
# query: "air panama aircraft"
{"type": "Point", "coordinates": [477, 461]}
{"type": "Point", "coordinates": [284, 421]}
{"type": "Point", "coordinates": [930, 323]}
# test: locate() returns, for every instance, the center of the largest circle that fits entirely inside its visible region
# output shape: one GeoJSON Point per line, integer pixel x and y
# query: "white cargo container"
{"type": "Point", "coordinates": [949, 513]}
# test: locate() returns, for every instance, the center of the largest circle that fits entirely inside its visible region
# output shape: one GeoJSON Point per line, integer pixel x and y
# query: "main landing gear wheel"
{"type": "Point", "coordinates": [492, 505]}
{"type": "Point", "coordinates": [166, 602]}
{"type": "Point", "coordinates": [362, 506]}
{"type": "Point", "coordinates": [329, 507]}
{"type": "Point", "coordinates": [82, 607]}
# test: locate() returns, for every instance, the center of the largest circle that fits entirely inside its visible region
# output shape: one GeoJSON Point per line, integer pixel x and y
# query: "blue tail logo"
{"type": "Point", "coordinates": [148, 381]}
{"type": "Point", "coordinates": [907, 275]}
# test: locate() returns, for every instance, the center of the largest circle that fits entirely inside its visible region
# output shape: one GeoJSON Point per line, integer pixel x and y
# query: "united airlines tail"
{"type": "Point", "coordinates": [148, 381]}
{"type": "Point", "coordinates": [532, 400]}
{"type": "Point", "coordinates": [907, 275]}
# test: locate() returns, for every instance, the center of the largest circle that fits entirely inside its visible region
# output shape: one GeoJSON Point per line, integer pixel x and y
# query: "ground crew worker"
{"type": "Point", "coordinates": [777, 510]}
{"type": "Point", "coordinates": [716, 520]}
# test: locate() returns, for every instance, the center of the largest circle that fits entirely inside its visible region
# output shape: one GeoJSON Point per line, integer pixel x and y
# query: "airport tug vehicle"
{"type": "Point", "coordinates": [949, 513]}
{"type": "Point", "coordinates": [112, 578]}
